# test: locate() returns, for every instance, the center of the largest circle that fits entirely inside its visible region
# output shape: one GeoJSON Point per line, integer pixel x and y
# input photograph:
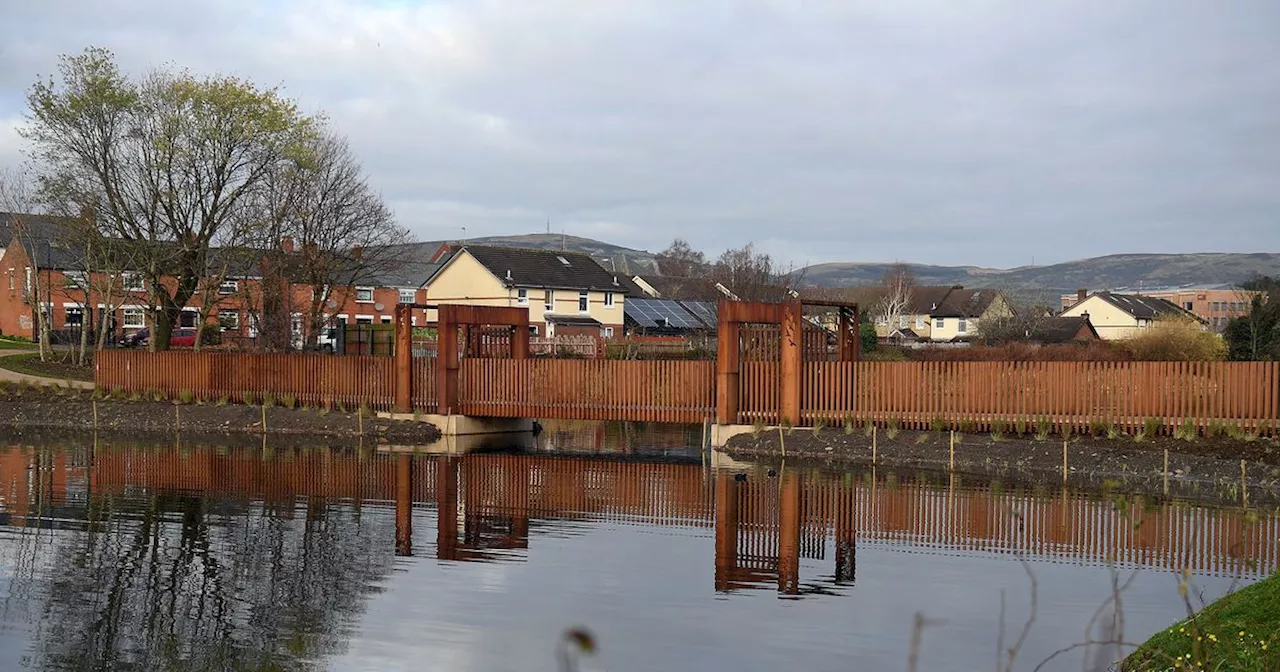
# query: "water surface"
{"type": "Point", "coordinates": [155, 557]}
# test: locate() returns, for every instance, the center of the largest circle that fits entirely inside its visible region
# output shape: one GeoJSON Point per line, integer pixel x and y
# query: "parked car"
{"type": "Point", "coordinates": [181, 338]}
{"type": "Point", "coordinates": [137, 339]}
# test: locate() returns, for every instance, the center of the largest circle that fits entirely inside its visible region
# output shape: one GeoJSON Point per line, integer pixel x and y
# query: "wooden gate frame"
{"type": "Point", "coordinates": [788, 315]}
{"type": "Point", "coordinates": [449, 318]}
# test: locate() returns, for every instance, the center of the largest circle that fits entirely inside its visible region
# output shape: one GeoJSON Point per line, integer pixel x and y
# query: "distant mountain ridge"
{"type": "Point", "coordinates": [1106, 272]}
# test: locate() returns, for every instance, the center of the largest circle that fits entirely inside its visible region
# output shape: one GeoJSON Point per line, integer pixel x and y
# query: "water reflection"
{"type": "Point", "coordinates": [250, 559]}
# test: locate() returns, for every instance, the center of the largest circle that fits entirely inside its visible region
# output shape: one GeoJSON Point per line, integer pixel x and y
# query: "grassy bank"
{"type": "Point", "coordinates": [1240, 632]}
{"type": "Point", "coordinates": [58, 367]}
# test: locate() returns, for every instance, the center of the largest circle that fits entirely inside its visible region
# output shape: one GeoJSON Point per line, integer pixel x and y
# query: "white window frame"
{"type": "Point", "coordinates": [30, 280]}
{"type": "Point", "coordinates": [368, 319]}
{"type": "Point", "coordinates": [903, 321]}
{"type": "Point", "coordinates": [364, 289]}
{"type": "Point", "coordinates": [940, 323]}
{"type": "Point", "coordinates": [584, 301]}
{"type": "Point", "coordinates": [140, 311]}
{"type": "Point", "coordinates": [608, 299]}
{"type": "Point", "coordinates": [410, 294]}
{"type": "Point", "coordinates": [385, 319]}
{"type": "Point", "coordinates": [227, 287]}
{"type": "Point", "coordinates": [75, 279]}
{"type": "Point", "coordinates": [963, 327]}
{"type": "Point", "coordinates": [533, 330]}
{"type": "Point", "coordinates": [522, 296]}
{"type": "Point", "coordinates": [608, 332]}
{"type": "Point", "coordinates": [132, 282]}
{"type": "Point", "coordinates": [234, 321]}
{"type": "Point", "coordinates": [11, 278]}
{"type": "Point", "coordinates": [549, 301]}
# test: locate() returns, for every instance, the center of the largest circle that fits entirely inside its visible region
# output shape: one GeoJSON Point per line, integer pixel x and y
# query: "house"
{"type": "Point", "coordinates": [1120, 316]}
{"type": "Point", "coordinates": [567, 293]}
{"type": "Point", "coordinates": [942, 314]}
{"type": "Point", "coordinates": [1215, 305]}
{"type": "Point", "coordinates": [1059, 330]}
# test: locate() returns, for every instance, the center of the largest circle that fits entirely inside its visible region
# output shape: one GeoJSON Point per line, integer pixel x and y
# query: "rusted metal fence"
{"type": "Point", "coordinates": [313, 380]}
{"type": "Point", "coordinates": [654, 391]}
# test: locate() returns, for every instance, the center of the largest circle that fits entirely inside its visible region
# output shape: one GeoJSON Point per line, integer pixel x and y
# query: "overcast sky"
{"type": "Point", "coordinates": [979, 132]}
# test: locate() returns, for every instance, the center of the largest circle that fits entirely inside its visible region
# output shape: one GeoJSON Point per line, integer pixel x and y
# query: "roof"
{"type": "Point", "coordinates": [678, 288]}
{"type": "Point", "coordinates": [1060, 329]}
{"type": "Point", "coordinates": [407, 265]}
{"type": "Point", "coordinates": [572, 320]}
{"type": "Point", "coordinates": [1142, 307]}
{"type": "Point", "coordinates": [961, 302]}
{"type": "Point", "coordinates": [518, 267]}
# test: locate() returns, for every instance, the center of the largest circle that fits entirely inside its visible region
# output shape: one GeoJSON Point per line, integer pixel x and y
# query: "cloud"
{"type": "Point", "coordinates": [918, 130]}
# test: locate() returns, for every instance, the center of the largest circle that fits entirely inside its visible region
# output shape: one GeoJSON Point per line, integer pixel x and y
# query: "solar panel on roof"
{"type": "Point", "coordinates": [703, 310]}
{"type": "Point", "coordinates": [660, 313]}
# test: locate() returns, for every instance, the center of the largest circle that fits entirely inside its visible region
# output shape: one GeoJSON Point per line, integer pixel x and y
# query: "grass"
{"type": "Point", "coordinates": [30, 364]}
{"type": "Point", "coordinates": [8, 344]}
{"type": "Point", "coordinates": [1239, 632]}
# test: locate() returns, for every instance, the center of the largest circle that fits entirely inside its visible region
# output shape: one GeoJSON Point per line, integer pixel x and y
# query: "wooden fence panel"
{"type": "Point", "coordinates": [424, 384]}
{"type": "Point", "coordinates": [653, 391]}
{"type": "Point", "coordinates": [310, 378]}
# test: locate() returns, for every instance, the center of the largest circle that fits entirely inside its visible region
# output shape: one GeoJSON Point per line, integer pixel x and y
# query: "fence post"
{"type": "Point", "coordinates": [728, 362]}
{"type": "Point", "coordinates": [446, 360]}
{"type": "Point", "coordinates": [404, 360]}
{"type": "Point", "coordinates": [792, 362]}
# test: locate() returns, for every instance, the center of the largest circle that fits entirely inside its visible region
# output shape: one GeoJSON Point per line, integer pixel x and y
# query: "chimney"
{"type": "Point", "coordinates": [286, 244]}
{"type": "Point", "coordinates": [1085, 315]}
{"type": "Point", "coordinates": [1082, 294]}
{"type": "Point", "coordinates": [357, 252]}
{"type": "Point", "coordinates": [509, 278]}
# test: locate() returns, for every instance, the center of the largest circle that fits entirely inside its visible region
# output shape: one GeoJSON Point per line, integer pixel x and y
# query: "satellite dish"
{"type": "Point", "coordinates": [378, 306]}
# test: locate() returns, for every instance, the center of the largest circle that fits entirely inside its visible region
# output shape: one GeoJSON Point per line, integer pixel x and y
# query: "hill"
{"type": "Point", "coordinates": [1113, 271]}
{"type": "Point", "coordinates": [1109, 272]}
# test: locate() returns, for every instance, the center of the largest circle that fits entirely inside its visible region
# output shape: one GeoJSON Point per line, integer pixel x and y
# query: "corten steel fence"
{"type": "Point", "coordinates": [313, 380]}
{"type": "Point", "coordinates": [594, 389]}
{"type": "Point", "coordinates": [981, 396]}
{"type": "Point", "coordinates": [1066, 395]}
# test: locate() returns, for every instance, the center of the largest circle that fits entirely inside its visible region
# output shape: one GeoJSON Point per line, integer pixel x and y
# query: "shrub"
{"type": "Point", "coordinates": [892, 430]}
{"type": "Point", "coordinates": [818, 426]}
{"type": "Point", "coordinates": [849, 424]}
{"type": "Point", "coordinates": [1176, 340]}
{"type": "Point", "coordinates": [247, 397]}
{"type": "Point", "coordinates": [1151, 426]}
{"type": "Point", "coordinates": [186, 397]}
{"type": "Point", "coordinates": [268, 399]}
{"type": "Point", "coordinates": [1187, 431]}
{"type": "Point", "coordinates": [1043, 429]}
{"type": "Point", "coordinates": [1098, 427]}
{"type": "Point", "coordinates": [289, 401]}
{"type": "Point", "coordinates": [939, 424]}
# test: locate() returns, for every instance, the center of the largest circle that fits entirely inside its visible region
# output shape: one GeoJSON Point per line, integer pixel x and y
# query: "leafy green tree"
{"type": "Point", "coordinates": [168, 161]}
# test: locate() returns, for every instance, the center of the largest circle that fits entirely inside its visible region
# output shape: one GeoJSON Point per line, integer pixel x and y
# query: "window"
{"type": "Point", "coordinates": [29, 280]}
{"type": "Point", "coordinates": [533, 330]}
{"type": "Point", "coordinates": [133, 283]}
{"type": "Point", "coordinates": [522, 296]}
{"type": "Point", "coordinates": [919, 323]}
{"type": "Point", "coordinates": [963, 327]}
{"type": "Point", "coordinates": [549, 301]}
{"type": "Point", "coordinates": [75, 280]}
{"type": "Point", "coordinates": [408, 296]}
{"type": "Point", "coordinates": [229, 320]}
{"type": "Point", "coordinates": [74, 316]}
{"type": "Point", "coordinates": [228, 287]}
{"type": "Point", "coordinates": [902, 322]}
{"type": "Point", "coordinates": [134, 318]}
{"type": "Point", "coordinates": [364, 295]}
{"type": "Point", "coordinates": [608, 299]}
{"type": "Point", "coordinates": [582, 301]}
{"type": "Point", "coordinates": [608, 332]}
{"type": "Point", "coordinates": [939, 324]}
{"type": "Point", "coordinates": [386, 319]}
{"type": "Point", "coordinates": [364, 319]}
{"type": "Point", "coordinates": [563, 260]}
{"type": "Point", "coordinates": [1188, 305]}
{"type": "Point", "coordinates": [11, 278]}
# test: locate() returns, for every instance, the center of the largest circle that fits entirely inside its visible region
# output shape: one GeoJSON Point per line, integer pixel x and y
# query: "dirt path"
{"type": "Point", "coordinates": [15, 377]}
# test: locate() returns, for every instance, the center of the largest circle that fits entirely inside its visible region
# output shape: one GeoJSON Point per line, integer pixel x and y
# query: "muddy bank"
{"type": "Point", "coordinates": [1205, 469]}
{"type": "Point", "coordinates": [35, 414]}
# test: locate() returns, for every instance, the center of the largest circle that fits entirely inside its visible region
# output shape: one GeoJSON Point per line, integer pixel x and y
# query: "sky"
{"type": "Point", "coordinates": [987, 132]}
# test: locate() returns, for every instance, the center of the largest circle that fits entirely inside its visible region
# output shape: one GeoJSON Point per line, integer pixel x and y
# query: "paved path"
{"type": "Point", "coordinates": [15, 377]}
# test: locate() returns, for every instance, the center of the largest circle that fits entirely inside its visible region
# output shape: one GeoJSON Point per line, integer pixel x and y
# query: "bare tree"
{"type": "Point", "coordinates": [17, 197]}
{"type": "Point", "coordinates": [164, 161]}
{"type": "Point", "coordinates": [754, 276]}
{"type": "Point", "coordinates": [326, 230]}
{"type": "Point", "coordinates": [681, 260]}
{"type": "Point", "coordinates": [895, 301]}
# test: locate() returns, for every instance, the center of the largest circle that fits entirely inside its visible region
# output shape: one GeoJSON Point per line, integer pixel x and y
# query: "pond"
{"type": "Point", "coordinates": [240, 557]}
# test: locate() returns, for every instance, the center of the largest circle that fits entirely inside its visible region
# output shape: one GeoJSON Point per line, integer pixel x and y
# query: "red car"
{"type": "Point", "coordinates": [181, 338]}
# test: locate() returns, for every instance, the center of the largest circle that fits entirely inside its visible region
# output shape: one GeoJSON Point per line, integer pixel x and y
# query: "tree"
{"type": "Point", "coordinates": [324, 229]}
{"type": "Point", "coordinates": [681, 260]}
{"type": "Point", "coordinates": [895, 301]}
{"type": "Point", "coordinates": [1255, 336]}
{"type": "Point", "coordinates": [165, 161]}
{"type": "Point", "coordinates": [753, 275]}
{"type": "Point", "coordinates": [1176, 340]}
